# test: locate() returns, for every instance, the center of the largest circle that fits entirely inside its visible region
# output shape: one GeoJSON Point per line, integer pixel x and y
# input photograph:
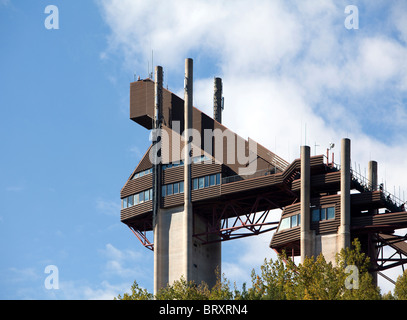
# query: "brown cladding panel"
{"type": "Point", "coordinates": [136, 185]}
{"type": "Point", "coordinates": [206, 193]}
{"type": "Point", "coordinates": [131, 212]}
{"type": "Point", "coordinates": [171, 175]}
{"type": "Point", "coordinates": [142, 102]}
{"type": "Point", "coordinates": [172, 200]}
{"type": "Point", "coordinates": [202, 169]}
{"type": "Point", "coordinates": [286, 236]}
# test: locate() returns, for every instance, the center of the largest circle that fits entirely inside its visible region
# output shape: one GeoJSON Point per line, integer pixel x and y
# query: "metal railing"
{"type": "Point", "coordinates": [395, 202]}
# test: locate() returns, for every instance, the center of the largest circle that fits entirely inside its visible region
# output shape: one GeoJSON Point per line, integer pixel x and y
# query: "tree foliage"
{"type": "Point", "coordinates": [281, 279]}
{"type": "Point", "coordinates": [400, 289]}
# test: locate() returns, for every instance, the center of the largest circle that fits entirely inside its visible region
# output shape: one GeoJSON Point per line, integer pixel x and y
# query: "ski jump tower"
{"type": "Point", "coordinates": [200, 184]}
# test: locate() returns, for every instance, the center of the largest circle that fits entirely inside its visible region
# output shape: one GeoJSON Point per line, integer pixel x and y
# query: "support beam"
{"type": "Point", "coordinates": [188, 213]}
{"type": "Point", "coordinates": [344, 228]}
{"type": "Point", "coordinates": [217, 99]}
{"type": "Point", "coordinates": [307, 236]}
{"type": "Point", "coordinates": [159, 264]}
{"type": "Point", "coordinates": [372, 175]}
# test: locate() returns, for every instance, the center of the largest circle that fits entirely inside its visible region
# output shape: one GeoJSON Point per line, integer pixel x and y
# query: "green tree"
{"type": "Point", "coordinates": [281, 279]}
{"type": "Point", "coordinates": [317, 280]}
{"type": "Point", "coordinates": [400, 289]}
{"type": "Point", "coordinates": [137, 293]}
{"type": "Point", "coordinates": [221, 290]}
{"type": "Point", "coordinates": [184, 290]}
{"type": "Point", "coordinates": [354, 256]}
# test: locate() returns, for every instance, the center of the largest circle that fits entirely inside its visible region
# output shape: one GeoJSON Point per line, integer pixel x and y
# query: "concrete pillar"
{"type": "Point", "coordinates": [344, 227]}
{"type": "Point", "coordinates": [372, 175]}
{"type": "Point", "coordinates": [176, 253]}
{"type": "Point", "coordinates": [307, 236]}
{"type": "Point", "coordinates": [158, 102]}
{"type": "Point", "coordinates": [217, 99]}
{"type": "Point", "coordinates": [372, 238]}
{"type": "Point", "coordinates": [188, 214]}
{"type": "Point", "coordinates": [160, 266]}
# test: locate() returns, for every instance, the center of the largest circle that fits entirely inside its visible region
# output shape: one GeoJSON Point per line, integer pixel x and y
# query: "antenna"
{"type": "Point", "coordinates": [152, 64]}
{"type": "Point", "coordinates": [305, 141]}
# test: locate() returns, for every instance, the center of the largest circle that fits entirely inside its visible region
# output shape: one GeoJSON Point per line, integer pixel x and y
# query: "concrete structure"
{"type": "Point", "coordinates": [344, 227]}
{"type": "Point", "coordinates": [217, 99]}
{"type": "Point", "coordinates": [192, 206]}
{"type": "Point", "coordinates": [176, 253]}
{"type": "Point", "coordinates": [307, 235]}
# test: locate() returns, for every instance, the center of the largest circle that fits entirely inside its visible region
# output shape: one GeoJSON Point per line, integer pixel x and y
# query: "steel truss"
{"type": "Point", "coordinates": [397, 258]}
{"type": "Point", "coordinates": [243, 223]}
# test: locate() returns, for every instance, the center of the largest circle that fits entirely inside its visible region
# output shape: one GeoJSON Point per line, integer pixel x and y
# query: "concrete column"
{"type": "Point", "coordinates": [160, 266]}
{"type": "Point", "coordinates": [344, 227]}
{"type": "Point", "coordinates": [158, 102]}
{"type": "Point", "coordinates": [188, 214]}
{"type": "Point", "coordinates": [372, 238]}
{"type": "Point", "coordinates": [372, 175]}
{"type": "Point", "coordinates": [176, 253]}
{"type": "Point", "coordinates": [307, 236]}
{"type": "Point", "coordinates": [217, 99]}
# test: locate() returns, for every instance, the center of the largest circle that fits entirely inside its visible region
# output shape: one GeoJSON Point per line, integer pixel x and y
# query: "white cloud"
{"type": "Point", "coordinates": [108, 207]}
{"type": "Point", "coordinates": [127, 264]}
{"type": "Point", "coordinates": [81, 290]}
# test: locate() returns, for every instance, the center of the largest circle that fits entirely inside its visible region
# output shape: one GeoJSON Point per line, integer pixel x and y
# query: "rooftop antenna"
{"type": "Point", "coordinates": [315, 147]}
{"type": "Point", "coordinates": [152, 64]}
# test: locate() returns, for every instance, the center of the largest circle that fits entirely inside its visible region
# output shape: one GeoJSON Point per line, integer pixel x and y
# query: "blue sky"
{"type": "Point", "coordinates": [68, 145]}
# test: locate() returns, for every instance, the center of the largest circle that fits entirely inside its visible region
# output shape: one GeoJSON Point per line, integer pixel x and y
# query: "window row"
{"type": "Point", "coordinates": [318, 214]}
{"type": "Point", "coordinates": [142, 173]}
{"type": "Point", "coordinates": [172, 188]}
{"type": "Point", "coordinates": [206, 181]}
{"type": "Point", "coordinates": [196, 159]}
{"type": "Point", "coordinates": [290, 222]}
{"type": "Point", "coordinates": [137, 198]}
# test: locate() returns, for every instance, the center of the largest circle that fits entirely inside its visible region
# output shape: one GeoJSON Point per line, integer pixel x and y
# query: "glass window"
{"type": "Point", "coordinates": [195, 184]}
{"type": "Point", "coordinates": [315, 214]}
{"type": "Point", "coordinates": [323, 213]}
{"type": "Point", "coordinates": [201, 182]}
{"type": "Point", "coordinates": [146, 195]}
{"type": "Point", "coordinates": [130, 201]}
{"type": "Point", "coordinates": [169, 189]}
{"type": "Point", "coordinates": [294, 221]}
{"type": "Point", "coordinates": [298, 219]}
{"type": "Point", "coordinates": [176, 188]}
{"type": "Point", "coordinates": [206, 181]}
{"type": "Point", "coordinates": [151, 193]}
{"type": "Point", "coordinates": [181, 187]}
{"type": "Point", "coordinates": [163, 191]}
{"type": "Point", "coordinates": [331, 213]}
{"type": "Point", "coordinates": [212, 180]}
{"type": "Point", "coordinates": [218, 178]}
{"type": "Point", "coordinates": [141, 197]}
{"type": "Point", "coordinates": [136, 198]}
{"type": "Point", "coordinates": [284, 224]}
{"type": "Point", "coordinates": [124, 203]}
